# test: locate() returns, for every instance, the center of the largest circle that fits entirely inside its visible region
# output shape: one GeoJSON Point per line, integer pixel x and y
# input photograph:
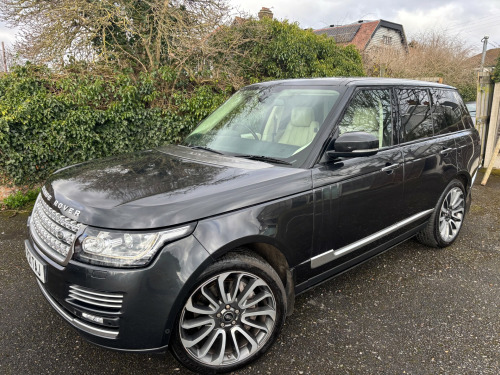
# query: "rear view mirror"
{"type": "Point", "coordinates": [353, 144]}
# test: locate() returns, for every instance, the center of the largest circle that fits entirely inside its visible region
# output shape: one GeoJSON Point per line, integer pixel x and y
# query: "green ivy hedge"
{"type": "Point", "coordinates": [49, 121]}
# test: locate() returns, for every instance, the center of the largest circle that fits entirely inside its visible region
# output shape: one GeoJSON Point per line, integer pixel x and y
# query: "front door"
{"type": "Point", "coordinates": [358, 198]}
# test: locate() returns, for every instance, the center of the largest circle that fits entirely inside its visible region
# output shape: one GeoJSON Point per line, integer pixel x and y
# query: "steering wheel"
{"type": "Point", "coordinates": [254, 134]}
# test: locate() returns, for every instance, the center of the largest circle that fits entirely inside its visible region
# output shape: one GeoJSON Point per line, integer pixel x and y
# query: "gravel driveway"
{"type": "Point", "coordinates": [412, 310]}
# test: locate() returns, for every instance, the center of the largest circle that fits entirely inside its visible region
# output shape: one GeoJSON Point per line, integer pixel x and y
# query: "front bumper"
{"type": "Point", "coordinates": [149, 297]}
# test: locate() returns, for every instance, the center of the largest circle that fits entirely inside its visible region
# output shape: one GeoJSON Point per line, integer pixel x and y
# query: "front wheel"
{"type": "Point", "coordinates": [447, 219]}
{"type": "Point", "coordinates": [232, 316]}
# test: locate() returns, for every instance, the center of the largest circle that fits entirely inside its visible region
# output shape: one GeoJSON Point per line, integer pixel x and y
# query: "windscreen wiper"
{"type": "Point", "coordinates": [206, 149]}
{"type": "Point", "coordinates": [264, 158]}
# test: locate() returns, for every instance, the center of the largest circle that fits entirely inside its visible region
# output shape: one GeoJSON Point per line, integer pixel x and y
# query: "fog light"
{"type": "Point", "coordinates": [93, 318]}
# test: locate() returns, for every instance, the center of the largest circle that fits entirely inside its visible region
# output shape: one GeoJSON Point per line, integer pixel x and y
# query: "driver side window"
{"type": "Point", "coordinates": [370, 111]}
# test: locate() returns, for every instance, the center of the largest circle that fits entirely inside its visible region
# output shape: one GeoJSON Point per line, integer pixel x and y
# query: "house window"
{"type": "Point", "coordinates": [387, 39]}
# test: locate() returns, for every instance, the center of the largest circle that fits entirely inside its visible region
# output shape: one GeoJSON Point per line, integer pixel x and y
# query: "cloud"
{"type": "Point", "coordinates": [7, 34]}
{"type": "Point", "coordinates": [417, 21]}
{"type": "Point", "coordinates": [471, 20]}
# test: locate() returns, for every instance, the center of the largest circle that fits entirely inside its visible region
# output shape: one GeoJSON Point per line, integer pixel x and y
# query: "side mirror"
{"type": "Point", "coordinates": [354, 144]}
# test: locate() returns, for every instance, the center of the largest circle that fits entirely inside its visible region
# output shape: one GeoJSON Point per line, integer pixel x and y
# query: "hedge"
{"type": "Point", "coordinates": [49, 121]}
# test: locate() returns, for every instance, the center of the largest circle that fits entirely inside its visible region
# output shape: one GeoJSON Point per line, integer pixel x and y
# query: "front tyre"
{"type": "Point", "coordinates": [233, 315]}
{"type": "Point", "coordinates": [446, 220]}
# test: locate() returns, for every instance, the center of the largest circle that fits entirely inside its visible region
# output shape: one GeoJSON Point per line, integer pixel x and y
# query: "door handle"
{"type": "Point", "coordinates": [446, 151]}
{"type": "Point", "coordinates": [390, 168]}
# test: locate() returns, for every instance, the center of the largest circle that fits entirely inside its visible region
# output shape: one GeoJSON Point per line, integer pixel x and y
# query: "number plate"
{"type": "Point", "coordinates": [37, 266]}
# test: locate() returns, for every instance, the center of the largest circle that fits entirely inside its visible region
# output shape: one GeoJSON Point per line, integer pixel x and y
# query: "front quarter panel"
{"type": "Point", "coordinates": [286, 224]}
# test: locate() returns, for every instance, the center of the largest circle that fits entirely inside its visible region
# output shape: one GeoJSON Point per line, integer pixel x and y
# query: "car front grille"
{"type": "Point", "coordinates": [96, 300]}
{"type": "Point", "coordinates": [52, 231]}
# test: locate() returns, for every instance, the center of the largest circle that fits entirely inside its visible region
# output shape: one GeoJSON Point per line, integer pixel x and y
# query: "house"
{"type": "Point", "coordinates": [490, 59]}
{"type": "Point", "coordinates": [366, 35]}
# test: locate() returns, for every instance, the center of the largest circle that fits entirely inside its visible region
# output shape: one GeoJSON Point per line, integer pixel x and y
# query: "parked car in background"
{"type": "Point", "coordinates": [202, 247]}
{"type": "Point", "coordinates": [471, 106]}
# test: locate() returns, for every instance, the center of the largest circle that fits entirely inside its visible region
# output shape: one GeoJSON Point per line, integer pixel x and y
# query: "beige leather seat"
{"type": "Point", "coordinates": [365, 119]}
{"type": "Point", "coordinates": [301, 129]}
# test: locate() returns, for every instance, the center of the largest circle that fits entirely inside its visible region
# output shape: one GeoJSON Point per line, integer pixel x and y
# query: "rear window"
{"type": "Point", "coordinates": [415, 113]}
{"type": "Point", "coordinates": [467, 114]}
{"type": "Point", "coordinates": [446, 111]}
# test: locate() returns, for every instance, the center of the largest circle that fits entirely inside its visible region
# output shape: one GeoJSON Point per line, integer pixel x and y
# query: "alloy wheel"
{"type": "Point", "coordinates": [451, 214]}
{"type": "Point", "coordinates": [228, 319]}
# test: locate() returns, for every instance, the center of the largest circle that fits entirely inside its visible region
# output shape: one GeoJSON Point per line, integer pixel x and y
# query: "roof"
{"type": "Point", "coordinates": [341, 34]}
{"type": "Point", "coordinates": [490, 59]}
{"type": "Point", "coordinates": [350, 81]}
{"type": "Point", "coordinates": [359, 33]}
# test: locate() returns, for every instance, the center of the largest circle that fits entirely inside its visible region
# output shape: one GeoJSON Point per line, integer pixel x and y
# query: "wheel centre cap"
{"type": "Point", "coordinates": [228, 317]}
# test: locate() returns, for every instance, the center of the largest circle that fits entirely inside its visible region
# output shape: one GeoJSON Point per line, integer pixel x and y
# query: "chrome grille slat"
{"type": "Point", "coordinates": [98, 299]}
{"type": "Point", "coordinates": [94, 298]}
{"type": "Point", "coordinates": [53, 232]}
{"type": "Point", "coordinates": [93, 292]}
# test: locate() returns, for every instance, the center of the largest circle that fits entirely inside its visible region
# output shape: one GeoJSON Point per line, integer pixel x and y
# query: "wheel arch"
{"type": "Point", "coordinates": [273, 255]}
{"type": "Point", "coordinates": [465, 178]}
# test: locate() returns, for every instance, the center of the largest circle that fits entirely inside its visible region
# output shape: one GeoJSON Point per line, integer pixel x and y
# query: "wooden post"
{"type": "Point", "coordinates": [492, 162]}
{"type": "Point", "coordinates": [483, 107]}
{"type": "Point", "coordinates": [4, 58]}
{"type": "Point", "coordinates": [493, 126]}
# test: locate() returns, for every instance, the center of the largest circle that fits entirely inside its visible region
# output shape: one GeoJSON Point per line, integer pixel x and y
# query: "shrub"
{"type": "Point", "coordinates": [496, 71]}
{"type": "Point", "coordinates": [21, 199]}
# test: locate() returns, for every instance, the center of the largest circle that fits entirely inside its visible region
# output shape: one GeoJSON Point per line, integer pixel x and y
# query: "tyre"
{"type": "Point", "coordinates": [447, 218]}
{"type": "Point", "coordinates": [233, 315]}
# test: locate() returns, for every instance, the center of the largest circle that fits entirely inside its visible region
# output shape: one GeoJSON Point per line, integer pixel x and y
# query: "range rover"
{"type": "Point", "coordinates": [202, 247]}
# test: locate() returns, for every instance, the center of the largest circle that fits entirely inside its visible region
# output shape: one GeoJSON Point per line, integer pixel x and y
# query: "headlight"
{"type": "Point", "coordinates": [124, 249]}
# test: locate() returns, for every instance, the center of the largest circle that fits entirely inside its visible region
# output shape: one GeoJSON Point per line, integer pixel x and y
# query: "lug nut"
{"type": "Point", "coordinates": [218, 315]}
{"type": "Point", "coordinates": [237, 311]}
{"type": "Point", "coordinates": [228, 307]}
{"type": "Point", "coordinates": [233, 322]}
{"type": "Point", "coordinates": [222, 325]}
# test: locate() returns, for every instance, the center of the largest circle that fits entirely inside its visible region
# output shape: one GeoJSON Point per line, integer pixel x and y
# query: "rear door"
{"type": "Point", "coordinates": [428, 146]}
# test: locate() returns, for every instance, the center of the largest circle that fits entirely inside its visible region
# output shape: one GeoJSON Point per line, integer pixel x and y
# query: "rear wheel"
{"type": "Point", "coordinates": [232, 316]}
{"type": "Point", "coordinates": [447, 218]}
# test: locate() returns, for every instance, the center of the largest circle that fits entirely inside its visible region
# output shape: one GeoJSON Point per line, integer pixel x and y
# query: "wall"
{"type": "Point", "coordinates": [378, 39]}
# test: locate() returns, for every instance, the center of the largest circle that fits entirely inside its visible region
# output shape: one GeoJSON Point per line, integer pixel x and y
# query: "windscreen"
{"type": "Point", "coordinates": [275, 122]}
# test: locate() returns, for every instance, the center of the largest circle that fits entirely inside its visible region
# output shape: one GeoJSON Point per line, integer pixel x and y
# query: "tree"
{"type": "Point", "coordinates": [130, 34]}
{"type": "Point", "coordinates": [269, 49]}
{"type": "Point", "coordinates": [430, 54]}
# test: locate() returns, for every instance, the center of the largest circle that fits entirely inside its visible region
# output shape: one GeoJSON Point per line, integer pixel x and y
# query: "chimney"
{"type": "Point", "coordinates": [265, 12]}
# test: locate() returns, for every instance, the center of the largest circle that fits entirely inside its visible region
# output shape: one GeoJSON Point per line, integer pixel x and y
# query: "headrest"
{"type": "Point", "coordinates": [302, 116]}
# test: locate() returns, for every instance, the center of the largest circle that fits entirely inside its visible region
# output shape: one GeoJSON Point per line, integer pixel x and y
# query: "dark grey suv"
{"type": "Point", "coordinates": [202, 247]}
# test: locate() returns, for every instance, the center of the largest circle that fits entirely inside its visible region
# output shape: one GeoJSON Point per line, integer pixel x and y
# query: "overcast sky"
{"type": "Point", "coordinates": [470, 19]}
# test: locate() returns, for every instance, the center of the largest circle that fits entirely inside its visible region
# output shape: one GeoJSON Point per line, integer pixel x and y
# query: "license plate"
{"type": "Point", "coordinates": [37, 266]}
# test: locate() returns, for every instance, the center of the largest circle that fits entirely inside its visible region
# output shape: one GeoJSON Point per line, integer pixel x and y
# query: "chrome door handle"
{"type": "Point", "coordinates": [390, 168]}
{"type": "Point", "coordinates": [446, 151]}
